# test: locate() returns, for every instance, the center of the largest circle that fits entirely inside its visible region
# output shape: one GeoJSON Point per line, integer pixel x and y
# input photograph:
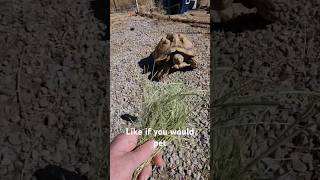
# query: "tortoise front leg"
{"type": "Point", "coordinates": [181, 66]}
{"type": "Point", "coordinates": [178, 61]}
{"type": "Point", "coordinates": [193, 63]}
{"type": "Point", "coordinates": [164, 70]}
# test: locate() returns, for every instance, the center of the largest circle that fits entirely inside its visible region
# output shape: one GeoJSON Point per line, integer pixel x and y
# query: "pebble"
{"type": "Point", "coordinates": [3, 170]}
{"type": "Point", "coordinates": [43, 102]}
{"type": "Point", "coordinates": [14, 139]}
{"type": "Point", "coordinates": [62, 144]}
{"type": "Point", "coordinates": [299, 165]}
{"type": "Point", "coordinates": [84, 168]}
{"type": "Point", "coordinates": [37, 80]}
{"type": "Point", "coordinates": [189, 172]}
{"type": "Point", "coordinates": [8, 156]}
{"type": "Point", "coordinates": [29, 70]}
{"type": "Point", "coordinates": [52, 119]}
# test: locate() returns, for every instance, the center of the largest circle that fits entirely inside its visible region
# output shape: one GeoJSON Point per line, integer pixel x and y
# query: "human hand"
{"type": "Point", "coordinates": [126, 157]}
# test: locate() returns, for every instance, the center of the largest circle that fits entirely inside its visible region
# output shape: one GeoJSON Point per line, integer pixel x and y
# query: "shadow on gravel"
{"type": "Point", "coordinates": [52, 172]}
{"type": "Point", "coordinates": [99, 8]}
{"type": "Point", "coordinates": [128, 117]}
{"type": "Point", "coordinates": [242, 23]}
{"type": "Point", "coordinates": [147, 66]}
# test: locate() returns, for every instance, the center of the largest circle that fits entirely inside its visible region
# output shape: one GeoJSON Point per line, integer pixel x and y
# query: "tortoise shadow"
{"type": "Point", "coordinates": [147, 65]}
{"type": "Point", "coordinates": [245, 22]}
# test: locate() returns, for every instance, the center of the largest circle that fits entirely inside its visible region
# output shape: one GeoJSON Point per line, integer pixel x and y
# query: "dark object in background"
{"type": "Point", "coordinates": [177, 6]}
{"type": "Point", "coordinates": [184, 6]}
{"type": "Point", "coordinates": [172, 6]}
{"type": "Point", "coordinates": [129, 118]}
{"type": "Point", "coordinates": [52, 172]}
{"type": "Point", "coordinates": [102, 12]}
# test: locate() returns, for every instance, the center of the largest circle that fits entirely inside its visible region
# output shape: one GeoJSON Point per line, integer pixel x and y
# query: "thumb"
{"type": "Point", "coordinates": [142, 153]}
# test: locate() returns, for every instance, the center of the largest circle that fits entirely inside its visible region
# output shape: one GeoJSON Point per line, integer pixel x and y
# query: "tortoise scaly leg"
{"type": "Point", "coordinates": [178, 61]}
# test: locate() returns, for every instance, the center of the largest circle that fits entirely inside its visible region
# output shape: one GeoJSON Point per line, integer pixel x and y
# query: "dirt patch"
{"type": "Point", "coordinates": [52, 78]}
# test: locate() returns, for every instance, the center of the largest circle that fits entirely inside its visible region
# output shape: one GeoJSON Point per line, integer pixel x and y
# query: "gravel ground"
{"type": "Point", "coordinates": [133, 39]}
{"type": "Point", "coordinates": [52, 88]}
{"type": "Point", "coordinates": [281, 56]}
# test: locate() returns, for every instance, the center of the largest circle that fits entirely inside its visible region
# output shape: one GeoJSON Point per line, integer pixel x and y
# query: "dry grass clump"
{"type": "Point", "coordinates": [163, 108]}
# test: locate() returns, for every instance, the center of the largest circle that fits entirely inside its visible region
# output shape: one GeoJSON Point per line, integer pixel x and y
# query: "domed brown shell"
{"type": "Point", "coordinates": [173, 43]}
{"type": "Point", "coordinates": [181, 44]}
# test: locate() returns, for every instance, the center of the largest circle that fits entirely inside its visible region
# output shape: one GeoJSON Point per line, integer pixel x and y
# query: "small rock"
{"type": "Point", "coordinates": [8, 156]}
{"type": "Point", "coordinates": [44, 90]}
{"type": "Point", "coordinates": [37, 80]}
{"type": "Point", "coordinates": [43, 102]}
{"type": "Point", "coordinates": [74, 103]}
{"type": "Point", "coordinates": [272, 164]}
{"type": "Point", "coordinates": [4, 98]}
{"type": "Point", "coordinates": [14, 139]}
{"type": "Point", "coordinates": [52, 119]}
{"type": "Point", "coordinates": [62, 144]}
{"type": "Point", "coordinates": [3, 171]}
{"type": "Point", "coordinates": [189, 172]}
{"type": "Point", "coordinates": [308, 159]}
{"type": "Point", "coordinates": [10, 167]}
{"type": "Point", "coordinates": [84, 168]}
{"type": "Point", "coordinates": [18, 164]}
{"type": "Point", "coordinates": [15, 118]}
{"type": "Point", "coordinates": [45, 153]}
{"type": "Point", "coordinates": [298, 165]}
{"type": "Point", "coordinates": [35, 154]}
{"type": "Point", "coordinates": [5, 63]}
{"type": "Point", "coordinates": [57, 157]}
{"type": "Point", "coordinates": [29, 70]}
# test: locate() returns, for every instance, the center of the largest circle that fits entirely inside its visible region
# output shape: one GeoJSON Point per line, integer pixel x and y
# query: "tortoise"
{"type": "Point", "coordinates": [270, 10]}
{"type": "Point", "coordinates": [173, 52]}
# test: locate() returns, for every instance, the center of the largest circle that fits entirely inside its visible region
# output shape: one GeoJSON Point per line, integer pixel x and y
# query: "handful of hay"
{"type": "Point", "coordinates": [163, 108]}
